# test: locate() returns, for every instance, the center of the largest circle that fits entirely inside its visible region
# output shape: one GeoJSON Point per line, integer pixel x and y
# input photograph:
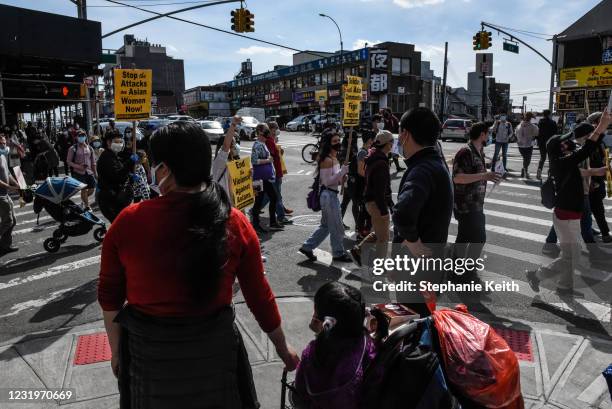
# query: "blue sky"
{"type": "Point", "coordinates": [212, 57]}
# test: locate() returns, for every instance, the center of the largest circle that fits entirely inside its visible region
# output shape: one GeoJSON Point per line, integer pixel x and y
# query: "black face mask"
{"type": "Point", "coordinates": [337, 147]}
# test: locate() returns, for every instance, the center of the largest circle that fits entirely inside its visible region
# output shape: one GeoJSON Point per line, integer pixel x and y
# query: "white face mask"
{"type": "Point", "coordinates": [155, 186]}
{"type": "Point", "coordinates": [277, 132]}
{"type": "Point", "coordinates": [380, 126]}
{"type": "Point", "coordinates": [117, 147]}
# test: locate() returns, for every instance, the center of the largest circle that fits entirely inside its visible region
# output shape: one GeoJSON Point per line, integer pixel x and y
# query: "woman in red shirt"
{"type": "Point", "coordinates": [165, 287]}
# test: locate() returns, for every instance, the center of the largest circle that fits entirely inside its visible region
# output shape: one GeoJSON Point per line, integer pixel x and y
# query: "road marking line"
{"type": "Point", "coordinates": [40, 302]}
{"type": "Point", "coordinates": [300, 171]}
{"type": "Point", "coordinates": [594, 391]}
{"type": "Point", "coordinates": [309, 173]}
{"type": "Point", "coordinates": [17, 214]}
{"type": "Point", "coordinates": [34, 220]}
{"type": "Point", "coordinates": [518, 218]}
{"type": "Point", "coordinates": [53, 271]}
{"type": "Point", "coordinates": [515, 185]}
{"type": "Point", "coordinates": [519, 234]}
{"type": "Point", "coordinates": [35, 229]}
{"type": "Point", "coordinates": [537, 208]}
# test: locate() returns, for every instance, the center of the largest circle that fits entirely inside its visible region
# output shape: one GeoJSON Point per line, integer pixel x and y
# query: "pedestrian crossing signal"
{"type": "Point", "coordinates": [477, 44]}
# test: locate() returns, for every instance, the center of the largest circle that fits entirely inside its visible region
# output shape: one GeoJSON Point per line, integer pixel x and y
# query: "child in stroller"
{"type": "Point", "coordinates": [54, 196]}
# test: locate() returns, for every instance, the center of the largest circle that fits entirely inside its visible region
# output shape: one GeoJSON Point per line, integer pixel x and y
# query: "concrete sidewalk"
{"type": "Point", "coordinates": [558, 369]}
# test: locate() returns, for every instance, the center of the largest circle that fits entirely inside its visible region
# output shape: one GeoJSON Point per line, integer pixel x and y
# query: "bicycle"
{"type": "Point", "coordinates": [310, 151]}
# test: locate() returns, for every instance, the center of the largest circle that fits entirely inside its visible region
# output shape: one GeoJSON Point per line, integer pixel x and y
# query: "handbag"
{"type": "Point", "coordinates": [548, 191]}
{"type": "Point", "coordinates": [313, 200]}
{"type": "Point", "coordinates": [263, 172]}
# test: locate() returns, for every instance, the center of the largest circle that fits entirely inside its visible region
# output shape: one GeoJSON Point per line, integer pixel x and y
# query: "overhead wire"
{"type": "Point", "coordinates": [151, 5]}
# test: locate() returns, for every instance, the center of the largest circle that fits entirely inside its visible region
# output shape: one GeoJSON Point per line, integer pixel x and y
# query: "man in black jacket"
{"type": "Point", "coordinates": [422, 214]}
{"type": "Point", "coordinates": [569, 203]}
{"type": "Point", "coordinates": [546, 129]}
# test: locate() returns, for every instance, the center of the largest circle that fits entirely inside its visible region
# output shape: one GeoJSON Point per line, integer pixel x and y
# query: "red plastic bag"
{"type": "Point", "coordinates": [478, 362]}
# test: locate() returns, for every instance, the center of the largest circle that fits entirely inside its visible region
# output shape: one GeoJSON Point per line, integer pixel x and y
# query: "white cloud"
{"type": "Point", "coordinates": [429, 52]}
{"type": "Point", "coordinates": [409, 4]}
{"type": "Point", "coordinates": [360, 43]}
{"type": "Point", "coordinates": [259, 50]}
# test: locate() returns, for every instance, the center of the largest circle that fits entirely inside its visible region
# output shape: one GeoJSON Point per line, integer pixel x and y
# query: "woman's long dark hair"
{"type": "Point", "coordinates": [343, 303]}
{"type": "Point", "coordinates": [325, 149]}
{"type": "Point", "coordinates": [185, 149]}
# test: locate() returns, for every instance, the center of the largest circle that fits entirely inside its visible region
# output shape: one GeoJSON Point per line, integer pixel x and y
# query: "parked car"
{"type": "Point", "coordinates": [148, 126]}
{"type": "Point", "coordinates": [297, 124]}
{"type": "Point", "coordinates": [173, 118]}
{"type": "Point", "coordinates": [247, 127]}
{"type": "Point", "coordinates": [257, 113]}
{"type": "Point", "coordinates": [121, 127]}
{"type": "Point", "coordinates": [456, 129]}
{"type": "Point", "coordinates": [212, 129]}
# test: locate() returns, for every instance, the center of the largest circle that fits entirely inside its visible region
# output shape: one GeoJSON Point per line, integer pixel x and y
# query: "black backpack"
{"type": "Point", "coordinates": [549, 191]}
{"type": "Point", "coordinates": [406, 373]}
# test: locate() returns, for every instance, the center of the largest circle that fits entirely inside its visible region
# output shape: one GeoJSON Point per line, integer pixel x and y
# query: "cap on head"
{"type": "Point", "coordinates": [383, 138]}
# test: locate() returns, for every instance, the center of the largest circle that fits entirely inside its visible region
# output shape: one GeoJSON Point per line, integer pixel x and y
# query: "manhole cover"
{"type": "Point", "coordinates": [307, 220]}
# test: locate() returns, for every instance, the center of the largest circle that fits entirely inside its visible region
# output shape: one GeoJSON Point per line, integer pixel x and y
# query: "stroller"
{"type": "Point", "coordinates": [53, 195]}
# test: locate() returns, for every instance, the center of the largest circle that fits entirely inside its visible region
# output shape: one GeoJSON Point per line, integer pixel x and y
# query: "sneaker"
{"type": "Point", "coordinates": [308, 253]}
{"type": "Point", "coordinates": [569, 292]}
{"type": "Point", "coordinates": [606, 239]}
{"type": "Point", "coordinates": [285, 221]}
{"type": "Point", "coordinates": [344, 258]}
{"type": "Point", "coordinates": [276, 227]}
{"type": "Point", "coordinates": [533, 280]}
{"type": "Point", "coordinates": [356, 254]}
{"type": "Point", "coordinates": [288, 211]}
{"type": "Point", "coordinates": [551, 249]}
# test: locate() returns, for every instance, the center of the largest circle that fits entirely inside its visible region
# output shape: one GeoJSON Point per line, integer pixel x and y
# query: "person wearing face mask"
{"type": "Point", "coordinates": [569, 203]}
{"type": "Point", "coordinates": [422, 213]}
{"type": "Point", "coordinates": [331, 176]}
{"type": "Point", "coordinates": [526, 134]}
{"type": "Point", "coordinates": [83, 163]}
{"type": "Point", "coordinates": [114, 192]}
{"type": "Point", "coordinates": [96, 145]}
{"type": "Point", "coordinates": [502, 132]}
{"type": "Point", "coordinates": [470, 177]}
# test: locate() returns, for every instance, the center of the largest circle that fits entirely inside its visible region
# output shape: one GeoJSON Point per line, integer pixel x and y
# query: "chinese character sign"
{"type": "Point", "coordinates": [379, 77]}
{"type": "Point", "coordinates": [352, 101]}
{"type": "Point", "coordinates": [133, 94]}
{"type": "Point", "coordinates": [378, 82]}
{"type": "Point", "coordinates": [594, 76]}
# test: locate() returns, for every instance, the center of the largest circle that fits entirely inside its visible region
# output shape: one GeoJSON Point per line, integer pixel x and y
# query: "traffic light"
{"type": "Point", "coordinates": [237, 25]}
{"type": "Point", "coordinates": [477, 41]}
{"type": "Point", "coordinates": [485, 40]}
{"type": "Point", "coordinates": [249, 21]}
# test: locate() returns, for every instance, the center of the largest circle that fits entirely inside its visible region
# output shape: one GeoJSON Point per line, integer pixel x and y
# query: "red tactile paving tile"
{"type": "Point", "coordinates": [92, 348]}
{"type": "Point", "coordinates": [519, 341]}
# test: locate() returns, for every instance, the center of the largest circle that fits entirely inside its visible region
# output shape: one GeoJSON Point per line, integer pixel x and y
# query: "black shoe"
{"type": "Point", "coordinates": [596, 232]}
{"type": "Point", "coordinates": [345, 258]}
{"type": "Point", "coordinates": [533, 280]}
{"type": "Point", "coordinates": [569, 292]}
{"type": "Point", "coordinates": [276, 227]}
{"type": "Point", "coordinates": [356, 254]}
{"type": "Point", "coordinates": [308, 253]}
{"type": "Point", "coordinates": [285, 221]}
{"type": "Point", "coordinates": [606, 239]}
{"type": "Point", "coordinates": [399, 169]}
{"type": "Point", "coordinates": [8, 250]}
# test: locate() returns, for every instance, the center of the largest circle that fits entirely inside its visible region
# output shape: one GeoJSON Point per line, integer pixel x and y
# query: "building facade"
{"type": "Point", "coordinates": [501, 98]}
{"type": "Point", "coordinates": [168, 75]}
{"type": "Point", "coordinates": [390, 72]}
{"type": "Point", "coordinates": [207, 101]}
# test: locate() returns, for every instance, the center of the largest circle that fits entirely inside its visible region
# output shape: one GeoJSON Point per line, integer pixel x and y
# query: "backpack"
{"type": "Point", "coordinates": [406, 373]}
{"type": "Point", "coordinates": [313, 200]}
{"type": "Point", "coordinates": [549, 191]}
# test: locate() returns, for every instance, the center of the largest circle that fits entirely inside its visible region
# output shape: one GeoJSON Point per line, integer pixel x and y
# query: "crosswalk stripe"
{"type": "Point", "coordinates": [53, 271]}
{"type": "Point", "coordinates": [34, 229]}
{"type": "Point", "coordinates": [515, 185]}
{"type": "Point", "coordinates": [42, 218]}
{"type": "Point", "coordinates": [40, 302]}
{"type": "Point", "coordinates": [506, 231]}
{"type": "Point", "coordinates": [518, 218]}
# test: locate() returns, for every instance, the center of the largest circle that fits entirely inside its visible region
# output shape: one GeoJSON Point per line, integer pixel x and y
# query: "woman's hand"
{"type": "Point", "coordinates": [290, 358]}
{"type": "Point", "coordinates": [115, 365]}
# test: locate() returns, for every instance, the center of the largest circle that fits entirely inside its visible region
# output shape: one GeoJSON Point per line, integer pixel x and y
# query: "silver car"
{"type": "Point", "coordinates": [212, 129]}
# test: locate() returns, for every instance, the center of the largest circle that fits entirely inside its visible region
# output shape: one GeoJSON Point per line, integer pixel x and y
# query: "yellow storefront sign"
{"type": "Point", "coordinates": [352, 101]}
{"type": "Point", "coordinates": [321, 95]}
{"type": "Point", "coordinates": [133, 94]}
{"type": "Point", "coordinates": [594, 76]}
{"type": "Point", "coordinates": [241, 182]}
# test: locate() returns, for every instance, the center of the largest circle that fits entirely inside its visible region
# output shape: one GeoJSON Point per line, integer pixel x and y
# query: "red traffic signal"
{"type": "Point", "coordinates": [65, 91]}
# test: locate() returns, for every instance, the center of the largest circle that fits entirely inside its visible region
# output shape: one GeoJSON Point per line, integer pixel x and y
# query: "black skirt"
{"type": "Point", "coordinates": [183, 362]}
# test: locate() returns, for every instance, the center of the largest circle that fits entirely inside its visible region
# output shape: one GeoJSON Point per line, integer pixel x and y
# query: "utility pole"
{"type": "Point", "coordinates": [553, 72]}
{"type": "Point", "coordinates": [443, 98]}
{"type": "Point", "coordinates": [484, 89]}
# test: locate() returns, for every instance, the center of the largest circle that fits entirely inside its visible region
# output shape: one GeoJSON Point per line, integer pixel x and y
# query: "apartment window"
{"type": "Point", "coordinates": [317, 79]}
{"type": "Point", "coordinates": [400, 66]}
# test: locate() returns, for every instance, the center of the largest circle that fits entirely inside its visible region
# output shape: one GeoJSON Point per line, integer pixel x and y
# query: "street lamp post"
{"type": "Point", "coordinates": [341, 46]}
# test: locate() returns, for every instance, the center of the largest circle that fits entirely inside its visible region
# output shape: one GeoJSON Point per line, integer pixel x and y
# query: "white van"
{"type": "Point", "coordinates": [257, 113]}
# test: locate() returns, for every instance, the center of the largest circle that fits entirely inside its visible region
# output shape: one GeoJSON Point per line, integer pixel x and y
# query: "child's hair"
{"type": "Point", "coordinates": [340, 308]}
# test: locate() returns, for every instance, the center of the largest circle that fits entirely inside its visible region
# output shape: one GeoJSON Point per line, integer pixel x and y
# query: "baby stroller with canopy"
{"type": "Point", "coordinates": [54, 195]}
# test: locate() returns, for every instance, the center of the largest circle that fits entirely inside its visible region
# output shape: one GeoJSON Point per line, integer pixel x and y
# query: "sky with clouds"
{"type": "Point", "coordinates": [212, 57]}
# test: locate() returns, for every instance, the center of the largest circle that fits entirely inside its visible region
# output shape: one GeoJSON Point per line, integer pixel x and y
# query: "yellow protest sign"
{"type": "Point", "coordinates": [593, 76]}
{"type": "Point", "coordinates": [133, 94]}
{"type": "Point", "coordinates": [282, 159]}
{"type": "Point", "coordinates": [352, 101]}
{"type": "Point", "coordinates": [241, 182]}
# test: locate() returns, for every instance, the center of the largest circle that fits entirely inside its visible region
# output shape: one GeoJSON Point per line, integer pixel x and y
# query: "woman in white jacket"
{"type": "Point", "coordinates": [526, 132]}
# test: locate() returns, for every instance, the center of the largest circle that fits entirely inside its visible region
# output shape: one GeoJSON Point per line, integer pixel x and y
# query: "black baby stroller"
{"type": "Point", "coordinates": [54, 196]}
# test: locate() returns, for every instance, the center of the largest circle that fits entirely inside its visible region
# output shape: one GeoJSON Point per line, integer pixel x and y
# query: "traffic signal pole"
{"type": "Point", "coordinates": [484, 91]}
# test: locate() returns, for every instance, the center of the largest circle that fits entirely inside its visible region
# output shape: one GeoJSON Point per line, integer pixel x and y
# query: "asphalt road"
{"type": "Point", "coordinates": [41, 291]}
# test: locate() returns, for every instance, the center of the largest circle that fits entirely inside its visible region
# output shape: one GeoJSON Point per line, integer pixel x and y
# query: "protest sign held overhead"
{"type": "Point", "coordinates": [352, 101]}
{"type": "Point", "coordinates": [133, 94]}
{"type": "Point", "coordinates": [241, 182]}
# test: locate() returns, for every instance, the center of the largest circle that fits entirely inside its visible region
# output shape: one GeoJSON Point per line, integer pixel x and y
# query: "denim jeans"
{"type": "Point", "coordinates": [331, 224]}
{"type": "Point", "coordinates": [586, 225]}
{"type": "Point", "coordinates": [280, 207]}
{"type": "Point", "coordinates": [504, 148]}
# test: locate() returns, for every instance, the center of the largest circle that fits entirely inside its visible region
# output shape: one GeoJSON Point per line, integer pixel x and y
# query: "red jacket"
{"type": "Point", "coordinates": [276, 156]}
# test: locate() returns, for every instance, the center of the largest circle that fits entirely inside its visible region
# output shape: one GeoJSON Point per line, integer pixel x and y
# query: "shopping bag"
{"type": "Point", "coordinates": [478, 362]}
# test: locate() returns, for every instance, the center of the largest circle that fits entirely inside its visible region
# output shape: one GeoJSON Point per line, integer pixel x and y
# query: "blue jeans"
{"type": "Point", "coordinates": [331, 224]}
{"type": "Point", "coordinates": [586, 225]}
{"type": "Point", "coordinates": [504, 148]}
{"type": "Point", "coordinates": [280, 207]}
